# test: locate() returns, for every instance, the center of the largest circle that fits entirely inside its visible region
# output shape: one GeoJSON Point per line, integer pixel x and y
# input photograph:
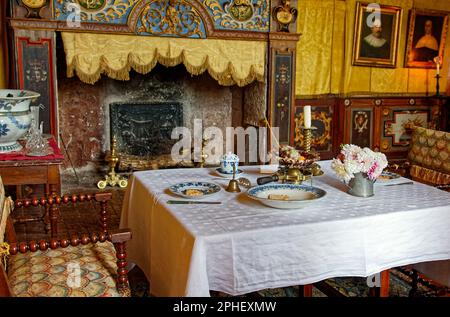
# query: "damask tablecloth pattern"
{"type": "Point", "coordinates": [241, 246]}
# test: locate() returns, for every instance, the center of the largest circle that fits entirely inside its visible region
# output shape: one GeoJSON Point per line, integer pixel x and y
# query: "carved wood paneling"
{"type": "Point", "coordinates": [326, 117]}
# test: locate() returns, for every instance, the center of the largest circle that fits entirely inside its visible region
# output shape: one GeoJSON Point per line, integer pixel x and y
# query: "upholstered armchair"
{"type": "Point", "coordinates": [91, 265]}
{"type": "Point", "coordinates": [428, 158]}
{"type": "Point", "coordinates": [429, 162]}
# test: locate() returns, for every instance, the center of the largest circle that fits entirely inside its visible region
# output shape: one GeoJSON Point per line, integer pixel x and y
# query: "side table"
{"type": "Point", "coordinates": [17, 169]}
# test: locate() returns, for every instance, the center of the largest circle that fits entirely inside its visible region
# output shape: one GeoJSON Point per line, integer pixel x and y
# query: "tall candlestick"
{"type": "Point", "coordinates": [437, 60]}
{"type": "Point", "coordinates": [307, 114]}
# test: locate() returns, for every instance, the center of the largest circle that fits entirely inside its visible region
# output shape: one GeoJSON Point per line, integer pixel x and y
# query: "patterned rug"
{"type": "Point", "coordinates": [400, 286]}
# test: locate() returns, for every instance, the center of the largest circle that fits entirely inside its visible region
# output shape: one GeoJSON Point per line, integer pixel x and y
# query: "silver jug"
{"type": "Point", "coordinates": [361, 186]}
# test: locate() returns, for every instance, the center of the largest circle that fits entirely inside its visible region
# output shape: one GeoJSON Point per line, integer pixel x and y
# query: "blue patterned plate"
{"type": "Point", "coordinates": [286, 196]}
{"type": "Point", "coordinates": [195, 190]}
{"type": "Point", "coordinates": [386, 176]}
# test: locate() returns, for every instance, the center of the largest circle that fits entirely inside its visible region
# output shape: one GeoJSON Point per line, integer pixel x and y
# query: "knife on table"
{"type": "Point", "coordinates": [180, 202]}
{"type": "Point", "coordinates": [398, 184]}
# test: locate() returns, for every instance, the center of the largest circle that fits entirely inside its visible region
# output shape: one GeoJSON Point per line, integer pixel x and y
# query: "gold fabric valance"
{"type": "Point", "coordinates": [228, 61]}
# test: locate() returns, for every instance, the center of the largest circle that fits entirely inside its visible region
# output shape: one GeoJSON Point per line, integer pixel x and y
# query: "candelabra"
{"type": "Point", "coordinates": [111, 178]}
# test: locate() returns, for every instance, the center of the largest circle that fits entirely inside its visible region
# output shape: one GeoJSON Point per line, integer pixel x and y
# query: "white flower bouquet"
{"type": "Point", "coordinates": [354, 159]}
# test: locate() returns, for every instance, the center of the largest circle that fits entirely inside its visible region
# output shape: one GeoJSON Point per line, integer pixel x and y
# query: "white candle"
{"type": "Point", "coordinates": [307, 116]}
{"type": "Point", "coordinates": [437, 60]}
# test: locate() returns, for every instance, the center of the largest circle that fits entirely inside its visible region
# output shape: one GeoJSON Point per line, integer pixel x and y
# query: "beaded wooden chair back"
{"type": "Point", "coordinates": [83, 265]}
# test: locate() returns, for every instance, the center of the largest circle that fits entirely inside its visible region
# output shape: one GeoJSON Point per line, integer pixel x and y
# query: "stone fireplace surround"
{"type": "Point", "coordinates": [83, 110]}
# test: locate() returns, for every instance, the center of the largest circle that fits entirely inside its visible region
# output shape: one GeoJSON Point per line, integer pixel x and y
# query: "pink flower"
{"type": "Point", "coordinates": [371, 171]}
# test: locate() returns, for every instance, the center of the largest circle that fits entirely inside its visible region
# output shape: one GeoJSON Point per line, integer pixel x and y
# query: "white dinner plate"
{"type": "Point", "coordinates": [295, 196]}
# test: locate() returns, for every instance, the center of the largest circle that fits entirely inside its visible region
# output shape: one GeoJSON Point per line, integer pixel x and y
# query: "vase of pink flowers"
{"type": "Point", "coordinates": [359, 168]}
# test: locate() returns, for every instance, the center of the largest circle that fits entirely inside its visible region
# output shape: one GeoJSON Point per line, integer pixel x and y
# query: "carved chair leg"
{"type": "Point", "coordinates": [122, 272]}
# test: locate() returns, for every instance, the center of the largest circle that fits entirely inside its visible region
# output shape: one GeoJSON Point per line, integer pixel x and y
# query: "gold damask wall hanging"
{"type": "Point", "coordinates": [284, 14]}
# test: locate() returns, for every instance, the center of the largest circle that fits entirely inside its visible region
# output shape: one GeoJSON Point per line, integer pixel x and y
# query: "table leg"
{"type": "Point", "coordinates": [305, 290]}
{"type": "Point", "coordinates": [383, 290]}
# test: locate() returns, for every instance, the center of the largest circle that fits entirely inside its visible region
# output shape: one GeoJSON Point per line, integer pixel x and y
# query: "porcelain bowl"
{"type": "Point", "coordinates": [297, 196]}
{"type": "Point", "coordinates": [15, 117]}
{"type": "Point", "coordinates": [16, 100]}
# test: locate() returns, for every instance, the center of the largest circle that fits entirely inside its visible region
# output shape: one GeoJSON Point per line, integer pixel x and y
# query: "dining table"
{"type": "Point", "coordinates": [239, 245]}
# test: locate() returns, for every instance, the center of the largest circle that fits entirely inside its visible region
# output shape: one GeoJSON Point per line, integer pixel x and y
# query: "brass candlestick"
{"type": "Point", "coordinates": [307, 132]}
{"type": "Point", "coordinates": [112, 178]}
{"type": "Point", "coordinates": [314, 169]}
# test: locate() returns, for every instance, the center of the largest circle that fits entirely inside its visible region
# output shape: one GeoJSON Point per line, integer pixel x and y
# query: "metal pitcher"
{"type": "Point", "coordinates": [361, 186]}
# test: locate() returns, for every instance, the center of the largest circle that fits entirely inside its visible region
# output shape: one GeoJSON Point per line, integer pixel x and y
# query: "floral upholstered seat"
{"type": "Point", "coordinates": [81, 271]}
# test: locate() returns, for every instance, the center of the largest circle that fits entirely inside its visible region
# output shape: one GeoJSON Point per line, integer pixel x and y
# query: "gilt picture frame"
{"type": "Point", "coordinates": [376, 35]}
{"type": "Point", "coordinates": [427, 32]}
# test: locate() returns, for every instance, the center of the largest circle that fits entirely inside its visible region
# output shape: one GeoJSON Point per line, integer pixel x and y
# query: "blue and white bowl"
{"type": "Point", "coordinates": [208, 189]}
{"type": "Point", "coordinates": [15, 117]}
{"type": "Point", "coordinates": [228, 162]}
{"type": "Point", "coordinates": [298, 195]}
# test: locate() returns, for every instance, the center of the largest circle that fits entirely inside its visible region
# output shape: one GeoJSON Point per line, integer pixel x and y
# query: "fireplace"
{"type": "Point", "coordinates": [143, 131]}
{"type": "Point", "coordinates": [90, 115]}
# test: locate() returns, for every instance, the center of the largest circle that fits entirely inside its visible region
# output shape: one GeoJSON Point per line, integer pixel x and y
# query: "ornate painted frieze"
{"type": "Point", "coordinates": [185, 18]}
{"type": "Point", "coordinates": [170, 18]}
{"type": "Point", "coordinates": [100, 11]}
{"type": "Point", "coordinates": [249, 15]}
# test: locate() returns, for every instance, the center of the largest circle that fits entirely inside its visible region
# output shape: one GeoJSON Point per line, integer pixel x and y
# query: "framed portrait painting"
{"type": "Point", "coordinates": [426, 38]}
{"type": "Point", "coordinates": [376, 35]}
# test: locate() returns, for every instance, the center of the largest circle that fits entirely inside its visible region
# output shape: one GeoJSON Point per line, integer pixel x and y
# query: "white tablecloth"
{"type": "Point", "coordinates": [242, 246]}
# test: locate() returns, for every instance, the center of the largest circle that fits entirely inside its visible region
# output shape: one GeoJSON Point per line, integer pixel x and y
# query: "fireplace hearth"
{"type": "Point", "coordinates": [143, 130]}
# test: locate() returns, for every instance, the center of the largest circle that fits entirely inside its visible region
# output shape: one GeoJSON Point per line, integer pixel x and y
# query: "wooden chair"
{"type": "Point", "coordinates": [428, 158]}
{"type": "Point", "coordinates": [428, 162]}
{"type": "Point", "coordinates": [82, 265]}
